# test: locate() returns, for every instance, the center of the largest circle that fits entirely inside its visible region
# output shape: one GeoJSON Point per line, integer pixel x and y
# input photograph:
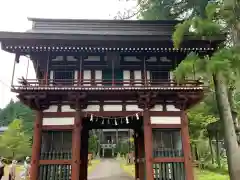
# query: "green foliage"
{"type": "Point", "coordinates": [158, 10]}
{"type": "Point", "coordinates": [208, 175]}
{"type": "Point", "coordinates": [203, 27]}
{"type": "Point", "coordinates": [225, 60]}
{"type": "Point", "coordinates": [179, 32]}
{"type": "Point", "coordinates": [123, 147]}
{"type": "Point", "coordinates": [171, 9]}
{"type": "Point", "coordinates": [15, 143]}
{"type": "Point", "coordinates": [198, 122]}
{"type": "Point", "coordinates": [186, 69]}
{"type": "Point", "coordinates": [17, 111]}
{"type": "Point", "coordinates": [92, 144]}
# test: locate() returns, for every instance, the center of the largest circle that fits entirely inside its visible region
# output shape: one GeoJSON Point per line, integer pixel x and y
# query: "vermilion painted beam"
{"type": "Point", "coordinates": [58, 114]}
{"type": "Point", "coordinates": [76, 145]}
{"type": "Point", "coordinates": [57, 127]}
{"type": "Point", "coordinates": [168, 159]}
{"type": "Point", "coordinates": [166, 126]}
{"type": "Point", "coordinates": [36, 148]}
{"type": "Point", "coordinates": [165, 113]}
{"type": "Point", "coordinates": [148, 144]}
{"type": "Point", "coordinates": [47, 162]}
{"type": "Point", "coordinates": [111, 113]}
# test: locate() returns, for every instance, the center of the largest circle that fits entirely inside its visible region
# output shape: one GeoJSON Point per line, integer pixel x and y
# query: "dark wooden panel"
{"type": "Point", "coordinates": [58, 127]}
{"type": "Point", "coordinates": [166, 126]}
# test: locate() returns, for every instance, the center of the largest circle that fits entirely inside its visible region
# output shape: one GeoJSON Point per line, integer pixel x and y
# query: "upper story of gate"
{"type": "Point", "coordinates": [100, 55]}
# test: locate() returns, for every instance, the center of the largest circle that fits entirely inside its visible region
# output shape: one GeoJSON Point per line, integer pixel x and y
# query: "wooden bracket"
{"type": "Point", "coordinates": [78, 100]}
{"type": "Point", "coordinates": [147, 100]}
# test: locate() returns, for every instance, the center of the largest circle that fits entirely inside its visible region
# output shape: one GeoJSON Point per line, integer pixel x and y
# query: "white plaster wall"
{"type": "Point", "coordinates": [64, 108]}
{"type": "Point", "coordinates": [92, 108]}
{"type": "Point", "coordinates": [51, 77]}
{"type": "Point", "coordinates": [92, 58]}
{"type": "Point", "coordinates": [98, 77]}
{"type": "Point", "coordinates": [152, 59]}
{"type": "Point", "coordinates": [52, 108]}
{"type": "Point", "coordinates": [71, 58]}
{"type": "Point", "coordinates": [132, 107]}
{"type": "Point", "coordinates": [87, 77]}
{"type": "Point", "coordinates": [58, 121]}
{"type": "Point", "coordinates": [112, 107]}
{"type": "Point", "coordinates": [165, 119]}
{"type": "Point", "coordinates": [157, 107]}
{"type": "Point", "coordinates": [58, 58]}
{"type": "Point", "coordinates": [148, 77]}
{"type": "Point", "coordinates": [126, 77]}
{"type": "Point", "coordinates": [75, 77]}
{"type": "Point", "coordinates": [171, 75]}
{"type": "Point", "coordinates": [67, 108]}
{"type": "Point", "coordinates": [137, 78]}
{"type": "Point", "coordinates": [131, 59]}
{"type": "Point", "coordinates": [172, 108]}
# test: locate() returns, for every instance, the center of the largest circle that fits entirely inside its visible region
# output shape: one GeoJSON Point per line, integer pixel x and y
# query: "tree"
{"type": "Point", "coordinates": [15, 143]}
{"type": "Point", "coordinates": [163, 9]}
{"type": "Point", "coordinates": [223, 66]}
{"type": "Point", "coordinates": [16, 110]}
{"type": "Point", "coordinates": [92, 143]}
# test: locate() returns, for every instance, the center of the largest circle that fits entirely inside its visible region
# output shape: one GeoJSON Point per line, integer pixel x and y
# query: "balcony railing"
{"type": "Point", "coordinates": [96, 83]}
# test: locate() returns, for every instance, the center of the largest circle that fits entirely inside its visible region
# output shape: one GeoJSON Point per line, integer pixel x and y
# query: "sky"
{"type": "Point", "coordinates": [13, 17]}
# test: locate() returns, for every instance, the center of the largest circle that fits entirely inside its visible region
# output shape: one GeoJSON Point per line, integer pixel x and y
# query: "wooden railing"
{"type": "Point", "coordinates": [105, 83]}
{"type": "Point", "coordinates": [165, 152]}
{"type": "Point", "coordinates": [55, 171]}
{"type": "Point", "coordinates": [169, 171]}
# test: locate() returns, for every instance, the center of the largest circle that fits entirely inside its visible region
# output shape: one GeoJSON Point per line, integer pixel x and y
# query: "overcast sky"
{"type": "Point", "coordinates": [13, 17]}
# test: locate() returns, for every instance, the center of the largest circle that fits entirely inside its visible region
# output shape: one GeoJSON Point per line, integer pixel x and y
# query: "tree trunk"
{"type": "Point", "coordinates": [211, 149]}
{"type": "Point", "coordinates": [218, 157]}
{"type": "Point", "coordinates": [232, 149]}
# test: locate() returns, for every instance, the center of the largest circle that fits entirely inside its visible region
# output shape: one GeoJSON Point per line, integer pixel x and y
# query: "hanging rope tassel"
{"type": "Point", "coordinates": [127, 121]}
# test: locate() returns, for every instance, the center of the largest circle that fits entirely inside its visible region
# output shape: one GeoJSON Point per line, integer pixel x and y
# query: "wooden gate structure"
{"type": "Point", "coordinates": [106, 74]}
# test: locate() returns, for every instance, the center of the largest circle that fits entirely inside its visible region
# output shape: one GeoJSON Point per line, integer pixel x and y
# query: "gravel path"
{"type": "Point", "coordinates": [108, 169]}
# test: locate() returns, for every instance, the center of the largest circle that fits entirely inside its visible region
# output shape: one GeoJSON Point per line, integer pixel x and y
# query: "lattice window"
{"type": "Point", "coordinates": [167, 143]}
{"type": "Point", "coordinates": [56, 145]}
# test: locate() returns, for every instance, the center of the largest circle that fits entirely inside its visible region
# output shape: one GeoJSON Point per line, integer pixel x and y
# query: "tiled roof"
{"type": "Point", "coordinates": [103, 27]}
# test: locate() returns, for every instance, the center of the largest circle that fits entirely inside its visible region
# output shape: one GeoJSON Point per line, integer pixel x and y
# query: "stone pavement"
{"type": "Point", "coordinates": [108, 169]}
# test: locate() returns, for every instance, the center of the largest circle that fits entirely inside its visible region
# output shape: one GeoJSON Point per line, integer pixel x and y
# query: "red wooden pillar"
{"type": "Point", "coordinates": [84, 155]}
{"type": "Point", "coordinates": [136, 142]}
{"type": "Point", "coordinates": [36, 148]}
{"type": "Point", "coordinates": [186, 147]}
{"type": "Point", "coordinates": [141, 165]}
{"type": "Point", "coordinates": [148, 144]}
{"type": "Point", "coordinates": [76, 145]}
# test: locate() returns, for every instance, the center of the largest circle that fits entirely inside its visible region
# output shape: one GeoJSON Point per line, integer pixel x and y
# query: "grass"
{"type": "Point", "coordinates": [129, 169]}
{"type": "Point", "coordinates": [199, 174]}
{"type": "Point", "coordinates": [94, 163]}
{"type": "Point", "coordinates": [208, 175]}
